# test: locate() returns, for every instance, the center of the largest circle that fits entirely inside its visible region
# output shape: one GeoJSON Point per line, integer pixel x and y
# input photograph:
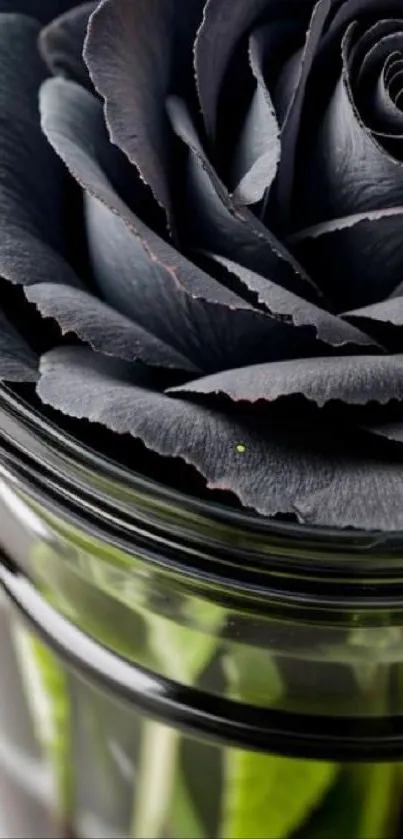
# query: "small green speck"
{"type": "Point", "coordinates": [241, 448]}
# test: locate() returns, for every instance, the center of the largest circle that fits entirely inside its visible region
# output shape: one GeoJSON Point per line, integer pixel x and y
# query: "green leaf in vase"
{"type": "Point", "coordinates": [363, 804]}
{"type": "Point", "coordinates": [379, 811]}
{"type": "Point", "coordinates": [268, 797]}
{"type": "Point", "coordinates": [184, 819]}
{"type": "Point", "coordinates": [375, 650]}
{"type": "Point", "coordinates": [265, 796]}
{"type": "Point", "coordinates": [182, 653]}
{"type": "Point", "coordinates": [47, 697]}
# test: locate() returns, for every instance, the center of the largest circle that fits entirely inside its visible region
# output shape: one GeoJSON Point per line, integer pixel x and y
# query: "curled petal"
{"type": "Point", "coordinates": [32, 180]}
{"type": "Point", "coordinates": [273, 467]}
{"type": "Point", "coordinates": [387, 311]}
{"type": "Point", "coordinates": [292, 121]}
{"type": "Point", "coordinates": [368, 64]}
{"type": "Point", "coordinates": [287, 84]}
{"type": "Point", "coordinates": [357, 260]}
{"type": "Point", "coordinates": [17, 361]}
{"type": "Point", "coordinates": [215, 223]}
{"type": "Point", "coordinates": [136, 52]}
{"type": "Point", "coordinates": [62, 43]}
{"type": "Point", "coordinates": [279, 302]}
{"type": "Point", "coordinates": [103, 328]}
{"type": "Point", "coordinates": [346, 13]}
{"type": "Point", "coordinates": [224, 23]}
{"type": "Point", "coordinates": [355, 380]}
{"type": "Point", "coordinates": [350, 171]}
{"type": "Point", "coordinates": [392, 431]}
{"type": "Point", "coordinates": [258, 152]}
{"type": "Point", "coordinates": [138, 272]}
{"type": "Point", "coordinates": [383, 321]}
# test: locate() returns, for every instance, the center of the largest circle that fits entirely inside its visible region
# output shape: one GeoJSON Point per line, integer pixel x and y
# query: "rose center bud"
{"type": "Point", "coordinates": [376, 77]}
{"type": "Point", "coordinates": [350, 195]}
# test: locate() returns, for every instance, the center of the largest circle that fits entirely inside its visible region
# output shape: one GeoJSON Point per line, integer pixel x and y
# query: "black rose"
{"type": "Point", "coordinates": [230, 271]}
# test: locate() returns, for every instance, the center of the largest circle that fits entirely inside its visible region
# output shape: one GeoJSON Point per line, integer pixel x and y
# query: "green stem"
{"type": "Point", "coordinates": [47, 698]}
{"type": "Point", "coordinates": [157, 769]}
{"type": "Point", "coordinates": [380, 809]}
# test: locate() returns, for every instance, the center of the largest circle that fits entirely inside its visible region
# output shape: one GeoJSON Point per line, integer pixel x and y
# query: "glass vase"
{"type": "Point", "coordinates": [174, 669]}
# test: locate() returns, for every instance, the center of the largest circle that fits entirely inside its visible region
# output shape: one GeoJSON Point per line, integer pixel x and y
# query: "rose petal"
{"type": "Point", "coordinates": [383, 320]}
{"type": "Point", "coordinates": [386, 115]}
{"type": "Point", "coordinates": [357, 260]}
{"type": "Point", "coordinates": [136, 52]}
{"type": "Point", "coordinates": [138, 272]}
{"type": "Point", "coordinates": [329, 328]}
{"type": "Point", "coordinates": [287, 84]}
{"type": "Point", "coordinates": [32, 180]}
{"type": "Point", "coordinates": [215, 223]}
{"type": "Point", "coordinates": [346, 13]}
{"type": "Point", "coordinates": [392, 431]}
{"type": "Point", "coordinates": [354, 380]}
{"type": "Point", "coordinates": [273, 467]}
{"type": "Point", "coordinates": [291, 126]}
{"type": "Point", "coordinates": [387, 311]}
{"type": "Point", "coordinates": [370, 61]}
{"type": "Point", "coordinates": [350, 172]}
{"type": "Point", "coordinates": [17, 361]}
{"type": "Point", "coordinates": [62, 42]}
{"type": "Point", "coordinates": [258, 151]}
{"type": "Point", "coordinates": [224, 24]}
{"type": "Point", "coordinates": [102, 327]}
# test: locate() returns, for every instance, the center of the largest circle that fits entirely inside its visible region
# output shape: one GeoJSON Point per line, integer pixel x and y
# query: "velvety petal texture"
{"type": "Point", "coordinates": [62, 43]}
{"type": "Point", "coordinates": [18, 363]}
{"type": "Point", "coordinates": [32, 207]}
{"type": "Point", "coordinates": [356, 380]}
{"type": "Point", "coordinates": [269, 466]}
{"type": "Point", "coordinates": [201, 206]}
{"type": "Point", "coordinates": [134, 63]}
{"type": "Point", "coordinates": [259, 148]}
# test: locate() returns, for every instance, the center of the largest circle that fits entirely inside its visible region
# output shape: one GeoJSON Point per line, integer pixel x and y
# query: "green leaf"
{"type": "Point", "coordinates": [268, 797]}
{"type": "Point", "coordinates": [184, 820]}
{"type": "Point", "coordinates": [48, 699]}
{"type": "Point", "coordinates": [265, 796]}
{"type": "Point", "coordinates": [158, 767]}
{"type": "Point", "coordinates": [253, 676]}
{"type": "Point", "coordinates": [378, 812]}
{"type": "Point", "coordinates": [184, 652]}
{"type": "Point", "coordinates": [363, 804]}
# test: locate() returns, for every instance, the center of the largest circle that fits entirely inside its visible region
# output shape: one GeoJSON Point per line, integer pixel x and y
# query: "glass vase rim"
{"type": "Point", "coordinates": [245, 519]}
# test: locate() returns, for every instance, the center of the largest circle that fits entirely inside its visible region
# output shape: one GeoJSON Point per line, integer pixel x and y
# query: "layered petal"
{"type": "Point", "coordinates": [225, 22]}
{"type": "Point", "coordinates": [283, 304]}
{"type": "Point", "coordinates": [137, 271]}
{"type": "Point", "coordinates": [103, 328]}
{"type": "Point", "coordinates": [62, 43]}
{"type": "Point", "coordinates": [33, 230]}
{"type": "Point", "coordinates": [18, 363]}
{"type": "Point", "coordinates": [273, 467]}
{"type": "Point", "coordinates": [216, 223]}
{"type": "Point", "coordinates": [137, 53]}
{"type": "Point", "coordinates": [350, 172]}
{"type": "Point", "coordinates": [354, 380]}
{"type": "Point", "coordinates": [299, 71]}
{"type": "Point", "coordinates": [357, 260]}
{"type": "Point", "coordinates": [258, 151]}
